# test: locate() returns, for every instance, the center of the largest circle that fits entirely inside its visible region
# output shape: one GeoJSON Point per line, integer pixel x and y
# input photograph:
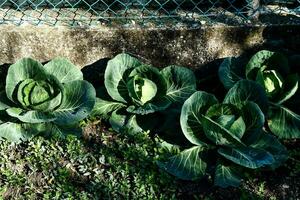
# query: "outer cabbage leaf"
{"type": "Point", "coordinates": [238, 128]}
{"type": "Point", "coordinates": [246, 90]}
{"type": "Point", "coordinates": [283, 122]}
{"type": "Point", "coordinates": [187, 165]}
{"type": "Point", "coordinates": [116, 74]}
{"type": "Point", "coordinates": [221, 109]}
{"type": "Point", "coordinates": [158, 104]}
{"type": "Point", "coordinates": [290, 87]}
{"type": "Point", "coordinates": [273, 146]}
{"type": "Point", "coordinates": [30, 116]}
{"type": "Point", "coordinates": [226, 116]}
{"type": "Point", "coordinates": [63, 70]}
{"type": "Point", "coordinates": [226, 176]}
{"type": "Point", "coordinates": [133, 124]}
{"type": "Point", "coordinates": [254, 120]}
{"type": "Point", "coordinates": [62, 131]}
{"type": "Point", "coordinates": [121, 122]}
{"type": "Point", "coordinates": [77, 102]}
{"type": "Point", "coordinates": [247, 156]}
{"type": "Point", "coordinates": [190, 118]}
{"type": "Point", "coordinates": [118, 120]}
{"type": "Point", "coordinates": [17, 133]}
{"type": "Point", "coordinates": [181, 83]}
{"type": "Point", "coordinates": [228, 72]}
{"type": "Point", "coordinates": [218, 134]}
{"type": "Point", "coordinates": [104, 108]}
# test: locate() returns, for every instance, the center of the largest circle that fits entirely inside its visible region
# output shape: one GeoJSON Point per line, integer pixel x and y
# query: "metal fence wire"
{"type": "Point", "coordinates": [148, 12]}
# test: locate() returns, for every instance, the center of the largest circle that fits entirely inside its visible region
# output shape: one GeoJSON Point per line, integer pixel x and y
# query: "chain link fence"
{"type": "Point", "coordinates": [149, 12]}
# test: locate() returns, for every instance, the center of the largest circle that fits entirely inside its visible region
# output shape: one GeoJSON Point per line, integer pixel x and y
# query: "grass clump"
{"type": "Point", "coordinates": [109, 166]}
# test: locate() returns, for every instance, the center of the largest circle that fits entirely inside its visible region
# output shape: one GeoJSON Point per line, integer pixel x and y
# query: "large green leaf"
{"type": "Point", "coordinates": [238, 128]}
{"type": "Point", "coordinates": [229, 117]}
{"type": "Point", "coordinates": [25, 68]}
{"type": "Point", "coordinates": [63, 70]}
{"type": "Point", "coordinates": [247, 156]}
{"type": "Point", "coordinates": [290, 88]}
{"type": "Point", "coordinates": [246, 90]}
{"type": "Point", "coordinates": [254, 120]}
{"type": "Point", "coordinates": [116, 74]}
{"type": "Point", "coordinates": [273, 146]}
{"type": "Point", "coordinates": [135, 125]}
{"type": "Point", "coordinates": [226, 176]}
{"type": "Point", "coordinates": [17, 133]}
{"type": "Point", "coordinates": [283, 122]}
{"type": "Point", "coordinates": [187, 165]}
{"type": "Point", "coordinates": [30, 116]}
{"type": "Point", "coordinates": [190, 118]}
{"type": "Point", "coordinates": [169, 147]}
{"type": "Point", "coordinates": [228, 72]}
{"type": "Point", "coordinates": [266, 60]}
{"type": "Point", "coordinates": [103, 108]}
{"type": "Point", "coordinates": [181, 83]}
{"type": "Point", "coordinates": [220, 135]}
{"type": "Point", "coordinates": [225, 120]}
{"type": "Point", "coordinates": [221, 109]}
{"type": "Point", "coordinates": [57, 131]}
{"type": "Point", "coordinates": [77, 103]}
{"type": "Point", "coordinates": [158, 104]}
{"type": "Point", "coordinates": [293, 103]}
{"type": "Point", "coordinates": [118, 120]}
{"type": "Point", "coordinates": [122, 122]}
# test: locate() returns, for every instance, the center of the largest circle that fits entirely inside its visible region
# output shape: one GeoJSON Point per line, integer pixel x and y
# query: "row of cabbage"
{"type": "Point", "coordinates": [216, 138]}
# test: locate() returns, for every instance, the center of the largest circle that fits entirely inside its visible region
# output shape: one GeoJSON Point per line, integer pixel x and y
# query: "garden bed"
{"type": "Point", "coordinates": [119, 156]}
{"type": "Point", "coordinates": [106, 165]}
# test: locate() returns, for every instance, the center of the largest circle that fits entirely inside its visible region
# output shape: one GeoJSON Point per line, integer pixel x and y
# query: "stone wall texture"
{"type": "Point", "coordinates": [160, 47]}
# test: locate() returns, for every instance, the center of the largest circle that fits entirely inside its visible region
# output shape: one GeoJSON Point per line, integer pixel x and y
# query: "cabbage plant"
{"type": "Point", "coordinates": [41, 98]}
{"type": "Point", "coordinates": [136, 90]}
{"type": "Point", "coordinates": [271, 70]}
{"type": "Point", "coordinates": [226, 139]}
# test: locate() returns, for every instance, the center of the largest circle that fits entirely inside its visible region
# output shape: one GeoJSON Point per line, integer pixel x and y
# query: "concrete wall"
{"type": "Point", "coordinates": [160, 47]}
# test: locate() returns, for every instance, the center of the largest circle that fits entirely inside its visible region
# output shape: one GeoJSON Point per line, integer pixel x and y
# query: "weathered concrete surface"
{"type": "Point", "coordinates": [160, 47]}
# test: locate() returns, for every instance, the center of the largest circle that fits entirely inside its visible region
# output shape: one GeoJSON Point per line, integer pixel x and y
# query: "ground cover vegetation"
{"type": "Point", "coordinates": [142, 132]}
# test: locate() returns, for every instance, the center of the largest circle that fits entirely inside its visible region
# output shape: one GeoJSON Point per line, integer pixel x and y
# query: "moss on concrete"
{"type": "Point", "coordinates": [187, 47]}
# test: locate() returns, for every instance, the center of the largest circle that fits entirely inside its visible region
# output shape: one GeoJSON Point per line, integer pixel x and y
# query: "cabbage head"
{"type": "Point", "coordinates": [272, 71]}
{"type": "Point", "coordinates": [137, 90]}
{"type": "Point", "coordinates": [226, 138]}
{"type": "Point", "coordinates": [40, 98]}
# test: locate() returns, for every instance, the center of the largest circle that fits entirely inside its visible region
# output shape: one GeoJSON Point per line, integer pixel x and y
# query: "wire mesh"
{"type": "Point", "coordinates": [148, 12]}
